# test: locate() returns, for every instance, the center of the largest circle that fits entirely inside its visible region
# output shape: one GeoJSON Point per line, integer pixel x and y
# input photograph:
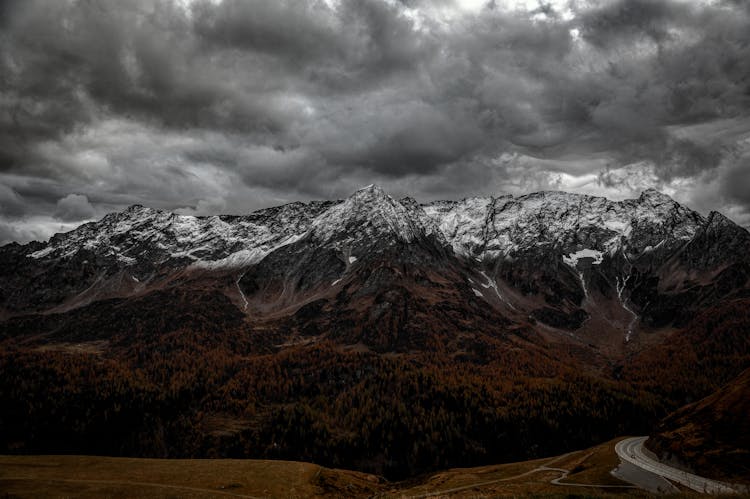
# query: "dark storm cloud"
{"type": "Point", "coordinates": [237, 104]}
{"type": "Point", "coordinates": [303, 33]}
{"type": "Point", "coordinates": [737, 182]}
{"type": "Point", "coordinates": [607, 26]}
{"type": "Point", "coordinates": [66, 61]}
{"type": "Point", "coordinates": [699, 71]}
{"type": "Point", "coordinates": [11, 203]}
{"type": "Point", "coordinates": [74, 207]}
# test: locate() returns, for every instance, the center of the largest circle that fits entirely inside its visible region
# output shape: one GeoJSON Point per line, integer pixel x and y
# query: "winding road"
{"type": "Point", "coordinates": [544, 467]}
{"type": "Point", "coordinates": [631, 450]}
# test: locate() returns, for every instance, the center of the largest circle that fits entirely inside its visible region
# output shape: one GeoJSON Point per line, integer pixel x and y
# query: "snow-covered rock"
{"type": "Point", "coordinates": [369, 217]}
{"type": "Point", "coordinates": [507, 226]}
{"type": "Point", "coordinates": [141, 234]}
{"type": "Point", "coordinates": [547, 247]}
{"type": "Point", "coordinates": [479, 228]}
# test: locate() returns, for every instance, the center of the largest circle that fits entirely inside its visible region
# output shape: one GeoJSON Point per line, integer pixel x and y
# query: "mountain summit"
{"type": "Point", "coordinates": [576, 262]}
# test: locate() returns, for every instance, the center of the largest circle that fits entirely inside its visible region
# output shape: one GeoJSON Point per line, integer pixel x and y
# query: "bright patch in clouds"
{"type": "Point", "coordinates": [471, 5]}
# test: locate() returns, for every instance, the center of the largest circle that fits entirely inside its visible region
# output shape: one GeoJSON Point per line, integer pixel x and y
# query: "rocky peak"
{"type": "Point", "coordinates": [718, 229]}
{"type": "Point", "coordinates": [717, 240]}
{"type": "Point", "coordinates": [716, 219]}
{"type": "Point", "coordinates": [657, 218]}
{"type": "Point", "coordinates": [370, 190]}
{"type": "Point", "coordinates": [654, 197]}
{"type": "Point", "coordinates": [136, 212]}
{"type": "Point", "coordinates": [367, 216]}
{"type": "Point", "coordinates": [135, 208]}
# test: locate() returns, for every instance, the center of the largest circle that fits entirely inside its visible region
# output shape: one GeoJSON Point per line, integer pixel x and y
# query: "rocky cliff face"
{"type": "Point", "coordinates": [559, 259]}
{"type": "Point", "coordinates": [564, 222]}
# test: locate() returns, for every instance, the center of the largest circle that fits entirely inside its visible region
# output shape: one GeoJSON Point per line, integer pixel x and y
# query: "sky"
{"type": "Point", "coordinates": [227, 106]}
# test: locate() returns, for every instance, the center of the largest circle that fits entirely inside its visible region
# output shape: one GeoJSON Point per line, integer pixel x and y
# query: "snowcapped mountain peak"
{"type": "Point", "coordinates": [136, 210]}
{"type": "Point", "coordinates": [367, 215]}
{"type": "Point", "coordinates": [476, 227]}
{"type": "Point", "coordinates": [372, 193]}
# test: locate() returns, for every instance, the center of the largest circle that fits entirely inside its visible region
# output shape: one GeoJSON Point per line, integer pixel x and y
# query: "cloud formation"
{"type": "Point", "coordinates": [204, 106]}
{"type": "Point", "coordinates": [74, 207]}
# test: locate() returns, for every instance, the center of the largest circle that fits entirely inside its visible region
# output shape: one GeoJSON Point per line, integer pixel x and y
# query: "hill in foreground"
{"type": "Point", "coordinates": [581, 472]}
{"type": "Point", "coordinates": [711, 436]}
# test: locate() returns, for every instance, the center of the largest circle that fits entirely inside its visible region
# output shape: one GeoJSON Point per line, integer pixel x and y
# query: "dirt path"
{"type": "Point", "coordinates": [544, 467]}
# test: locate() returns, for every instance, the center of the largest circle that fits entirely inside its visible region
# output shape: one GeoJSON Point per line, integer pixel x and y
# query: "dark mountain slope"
{"type": "Point", "coordinates": [711, 436]}
{"type": "Point", "coordinates": [694, 361]}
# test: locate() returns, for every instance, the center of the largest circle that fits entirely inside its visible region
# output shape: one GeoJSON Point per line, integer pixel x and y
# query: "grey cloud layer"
{"type": "Point", "coordinates": [234, 105]}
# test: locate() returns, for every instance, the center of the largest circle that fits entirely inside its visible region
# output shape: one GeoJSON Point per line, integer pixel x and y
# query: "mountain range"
{"type": "Point", "coordinates": [371, 330]}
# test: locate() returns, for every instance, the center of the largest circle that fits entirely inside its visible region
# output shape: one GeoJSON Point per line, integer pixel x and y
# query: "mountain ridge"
{"type": "Point", "coordinates": [559, 257]}
{"type": "Point", "coordinates": [518, 206]}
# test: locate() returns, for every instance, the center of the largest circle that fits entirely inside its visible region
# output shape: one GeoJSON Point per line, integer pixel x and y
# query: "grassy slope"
{"type": "Point", "coordinates": [87, 476]}
{"type": "Point", "coordinates": [712, 435]}
{"type": "Point", "coordinates": [90, 476]}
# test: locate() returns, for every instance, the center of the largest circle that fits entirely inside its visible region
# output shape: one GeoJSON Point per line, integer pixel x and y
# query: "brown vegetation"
{"type": "Point", "coordinates": [711, 436]}
{"type": "Point", "coordinates": [184, 374]}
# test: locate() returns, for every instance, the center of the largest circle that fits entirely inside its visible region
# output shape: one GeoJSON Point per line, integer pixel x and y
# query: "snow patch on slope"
{"type": "Point", "coordinates": [572, 259]}
{"type": "Point", "coordinates": [620, 286]}
{"type": "Point", "coordinates": [42, 252]}
{"type": "Point", "coordinates": [242, 295]}
{"type": "Point", "coordinates": [491, 283]}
